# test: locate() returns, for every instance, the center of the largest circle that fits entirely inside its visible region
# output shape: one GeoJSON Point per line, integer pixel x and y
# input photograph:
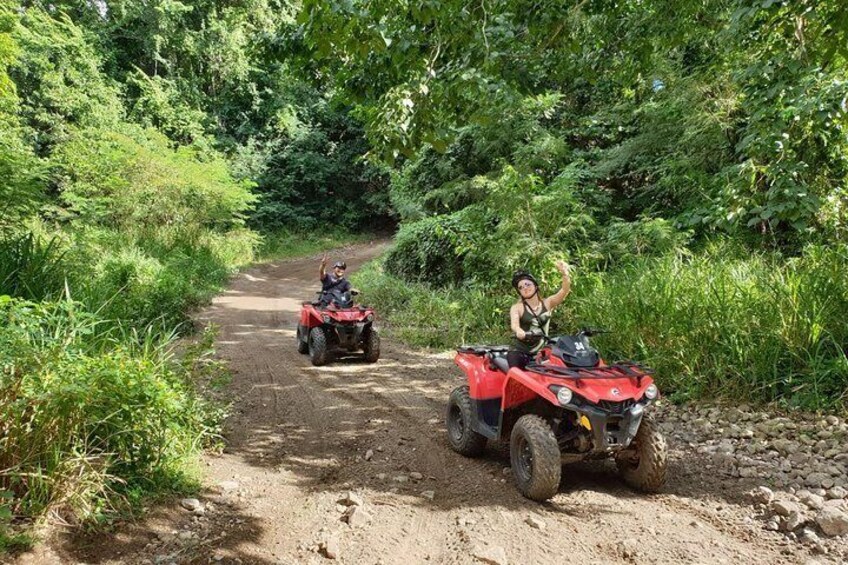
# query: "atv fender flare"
{"type": "Point", "coordinates": [521, 386]}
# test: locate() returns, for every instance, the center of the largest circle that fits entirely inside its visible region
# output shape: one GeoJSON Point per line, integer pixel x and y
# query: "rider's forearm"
{"type": "Point", "coordinates": [564, 291]}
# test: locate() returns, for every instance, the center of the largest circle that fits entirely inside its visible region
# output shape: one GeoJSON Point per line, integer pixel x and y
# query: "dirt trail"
{"type": "Point", "coordinates": [297, 442]}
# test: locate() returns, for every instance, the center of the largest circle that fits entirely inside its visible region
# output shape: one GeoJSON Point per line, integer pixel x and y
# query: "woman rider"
{"type": "Point", "coordinates": [532, 313]}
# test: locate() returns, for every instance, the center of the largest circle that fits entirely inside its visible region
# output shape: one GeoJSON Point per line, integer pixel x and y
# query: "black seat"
{"type": "Point", "coordinates": [500, 363]}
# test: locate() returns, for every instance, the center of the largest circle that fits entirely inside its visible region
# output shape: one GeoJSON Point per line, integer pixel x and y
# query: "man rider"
{"type": "Point", "coordinates": [334, 281]}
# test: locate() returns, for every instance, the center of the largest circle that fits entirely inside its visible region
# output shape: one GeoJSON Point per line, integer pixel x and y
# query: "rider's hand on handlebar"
{"type": "Point", "coordinates": [521, 334]}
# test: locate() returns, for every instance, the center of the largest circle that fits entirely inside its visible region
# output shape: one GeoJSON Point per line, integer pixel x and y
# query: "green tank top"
{"type": "Point", "coordinates": [529, 322]}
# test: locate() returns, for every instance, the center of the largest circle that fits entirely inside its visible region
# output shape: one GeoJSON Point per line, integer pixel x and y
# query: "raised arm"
{"type": "Point", "coordinates": [515, 320]}
{"type": "Point", "coordinates": [555, 300]}
{"type": "Point", "coordinates": [322, 271]}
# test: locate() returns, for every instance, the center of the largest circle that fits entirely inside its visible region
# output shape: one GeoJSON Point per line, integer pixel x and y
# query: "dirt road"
{"type": "Point", "coordinates": [297, 443]}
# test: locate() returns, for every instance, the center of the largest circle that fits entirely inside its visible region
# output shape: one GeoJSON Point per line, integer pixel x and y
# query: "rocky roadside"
{"type": "Point", "coordinates": [793, 468]}
{"type": "Point", "coordinates": [798, 462]}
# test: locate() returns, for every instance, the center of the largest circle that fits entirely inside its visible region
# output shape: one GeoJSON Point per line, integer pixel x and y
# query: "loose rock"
{"type": "Point", "coordinates": [794, 521]}
{"type": "Point", "coordinates": [535, 522]}
{"type": "Point", "coordinates": [837, 492]}
{"type": "Point", "coordinates": [228, 486]}
{"type": "Point", "coordinates": [191, 504]}
{"type": "Point", "coordinates": [494, 555]}
{"type": "Point", "coordinates": [783, 507]}
{"type": "Point", "coordinates": [351, 499]}
{"type": "Point", "coordinates": [627, 549]}
{"type": "Point", "coordinates": [329, 548]}
{"type": "Point", "coordinates": [832, 521]}
{"type": "Point", "coordinates": [761, 495]}
{"type": "Point", "coordinates": [356, 517]}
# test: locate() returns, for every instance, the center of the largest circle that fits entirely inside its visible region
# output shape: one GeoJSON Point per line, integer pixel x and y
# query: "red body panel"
{"type": "Point", "coordinates": [483, 382]}
{"type": "Point", "coordinates": [517, 386]}
{"type": "Point", "coordinates": [312, 316]}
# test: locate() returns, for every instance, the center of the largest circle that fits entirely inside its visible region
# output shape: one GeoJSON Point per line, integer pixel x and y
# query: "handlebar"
{"type": "Point", "coordinates": [352, 292]}
{"type": "Point", "coordinates": [537, 334]}
{"type": "Point", "coordinates": [588, 332]}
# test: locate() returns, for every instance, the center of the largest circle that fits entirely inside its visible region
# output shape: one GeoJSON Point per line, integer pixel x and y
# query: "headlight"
{"type": "Point", "coordinates": [564, 395]}
{"type": "Point", "coordinates": [369, 318]}
{"type": "Point", "coordinates": [326, 319]}
{"type": "Point", "coordinates": [651, 392]}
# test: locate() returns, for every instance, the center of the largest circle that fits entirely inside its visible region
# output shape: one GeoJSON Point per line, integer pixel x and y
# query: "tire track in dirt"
{"type": "Point", "coordinates": [297, 439]}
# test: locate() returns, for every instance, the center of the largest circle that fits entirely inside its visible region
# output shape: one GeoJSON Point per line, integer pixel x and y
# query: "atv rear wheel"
{"type": "Point", "coordinates": [302, 341]}
{"type": "Point", "coordinates": [535, 457]}
{"type": "Point", "coordinates": [462, 438]}
{"type": "Point", "coordinates": [643, 465]}
{"type": "Point", "coordinates": [318, 351]}
{"type": "Point", "coordinates": [372, 346]}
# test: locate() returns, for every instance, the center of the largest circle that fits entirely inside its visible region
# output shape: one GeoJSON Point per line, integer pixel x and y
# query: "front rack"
{"type": "Point", "coordinates": [620, 370]}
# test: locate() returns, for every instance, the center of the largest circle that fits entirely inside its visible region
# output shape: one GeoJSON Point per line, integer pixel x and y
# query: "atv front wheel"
{"type": "Point", "coordinates": [302, 342]}
{"type": "Point", "coordinates": [462, 438]}
{"type": "Point", "coordinates": [643, 465]}
{"type": "Point", "coordinates": [535, 457]}
{"type": "Point", "coordinates": [318, 352]}
{"type": "Point", "coordinates": [372, 346]}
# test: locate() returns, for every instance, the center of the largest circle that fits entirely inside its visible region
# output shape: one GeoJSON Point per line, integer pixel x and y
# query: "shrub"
{"type": "Point", "coordinates": [30, 267]}
{"type": "Point", "coordinates": [718, 323]}
{"type": "Point", "coordinates": [83, 421]}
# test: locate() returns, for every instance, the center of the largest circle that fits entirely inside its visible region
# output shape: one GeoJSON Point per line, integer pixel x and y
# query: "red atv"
{"type": "Point", "coordinates": [565, 406]}
{"type": "Point", "coordinates": [332, 323]}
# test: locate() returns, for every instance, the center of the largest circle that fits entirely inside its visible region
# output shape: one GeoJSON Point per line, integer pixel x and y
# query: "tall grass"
{"type": "Point", "coordinates": [30, 267]}
{"type": "Point", "coordinates": [717, 324]}
{"type": "Point", "coordinates": [86, 420]}
{"type": "Point", "coordinates": [285, 244]}
{"type": "Point", "coordinates": [95, 412]}
{"type": "Point", "coordinates": [757, 327]}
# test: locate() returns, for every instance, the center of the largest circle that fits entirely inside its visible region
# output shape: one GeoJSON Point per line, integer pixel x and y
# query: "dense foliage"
{"type": "Point", "coordinates": [720, 114]}
{"type": "Point", "coordinates": [625, 137]}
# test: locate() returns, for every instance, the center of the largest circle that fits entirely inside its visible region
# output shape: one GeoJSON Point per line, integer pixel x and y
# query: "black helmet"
{"type": "Point", "coordinates": [519, 276]}
{"type": "Point", "coordinates": [340, 264]}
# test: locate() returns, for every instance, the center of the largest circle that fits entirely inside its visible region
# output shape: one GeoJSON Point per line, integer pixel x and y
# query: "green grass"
{"type": "Point", "coordinates": [101, 409]}
{"type": "Point", "coordinates": [91, 421]}
{"type": "Point", "coordinates": [719, 324]}
{"type": "Point", "coordinates": [292, 244]}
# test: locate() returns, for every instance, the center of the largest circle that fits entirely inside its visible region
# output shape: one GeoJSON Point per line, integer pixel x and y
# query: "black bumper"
{"type": "Point", "coordinates": [613, 431]}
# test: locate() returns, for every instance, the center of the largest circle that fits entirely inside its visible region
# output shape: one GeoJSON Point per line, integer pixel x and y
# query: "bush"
{"type": "Point", "coordinates": [31, 268]}
{"type": "Point", "coordinates": [420, 315]}
{"type": "Point", "coordinates": [130, 179]}
{"type": "Point", "coordinates": [754, 327]}
{"type": "Point", "coordinates": [720, 323]}
{"type": "Point", "coordinates": [427, 250]}
{"type": "Point", "coordinates": [84, 422]}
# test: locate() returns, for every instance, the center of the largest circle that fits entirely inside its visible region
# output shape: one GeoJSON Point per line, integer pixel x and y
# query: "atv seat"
{"type": "Point", "coordinates": [499, 362]}
{"type": "Point", "coordinates": [496, 354]}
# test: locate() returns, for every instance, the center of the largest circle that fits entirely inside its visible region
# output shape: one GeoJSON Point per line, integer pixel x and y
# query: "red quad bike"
{"type": "Point", "coordinates": [565, 406]}
{"type": "Point", "coordinates": [335, 323]}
